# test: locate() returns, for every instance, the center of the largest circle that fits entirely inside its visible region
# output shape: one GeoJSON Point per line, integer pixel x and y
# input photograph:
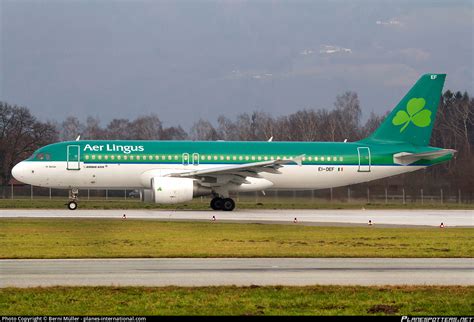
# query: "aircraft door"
{"type": "Point", "coordinates": [364, 159]}
{"type": "Point", "coordinates": [73, 157]}
{"type": "Point", "coordinates": [185, 158]}
{"type": "Point", "coordinates": [195, 158]}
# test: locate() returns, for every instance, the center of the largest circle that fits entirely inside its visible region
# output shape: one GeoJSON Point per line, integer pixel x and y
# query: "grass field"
{"type": "Point", "coordinates": [197, 204]}
{"type": "Point", "coordinates": [310, 300]}
{"type": "Point", "coordinates": [109, 238]}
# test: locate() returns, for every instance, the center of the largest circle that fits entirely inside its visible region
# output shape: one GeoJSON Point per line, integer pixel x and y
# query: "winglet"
{"type": "Point", "coordinates": [299, 160]}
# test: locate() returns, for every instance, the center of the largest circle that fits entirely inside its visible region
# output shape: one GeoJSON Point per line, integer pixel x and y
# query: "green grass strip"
{"type": "Point", "coordinates": [277, 300]}
{"type": "Point", "coordinates": [116, 238]}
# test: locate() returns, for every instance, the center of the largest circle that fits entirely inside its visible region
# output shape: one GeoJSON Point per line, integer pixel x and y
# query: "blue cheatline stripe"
{"type": "Point", "coordinates": [191, 165]}
{"type": "Point", "coordinates": [317, 164]}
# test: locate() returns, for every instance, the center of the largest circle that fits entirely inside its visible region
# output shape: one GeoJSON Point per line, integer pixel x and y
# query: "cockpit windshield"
{"type": "Point", "coordinates": [40, 156]}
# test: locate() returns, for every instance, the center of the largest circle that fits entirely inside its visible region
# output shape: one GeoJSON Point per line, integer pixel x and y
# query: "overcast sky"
{"type": "Point", "coordinates": [185, 60]}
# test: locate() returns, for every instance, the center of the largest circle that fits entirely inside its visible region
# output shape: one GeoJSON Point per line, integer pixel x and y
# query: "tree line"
{"type": "Point", "coordinates": [21, 133]}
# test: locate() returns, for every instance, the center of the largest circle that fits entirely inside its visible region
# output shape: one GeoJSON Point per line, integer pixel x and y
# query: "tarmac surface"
{"type": "Point", "coordinates": [233, 271]}
{"type": "Point", "coordinates": [397, 217]}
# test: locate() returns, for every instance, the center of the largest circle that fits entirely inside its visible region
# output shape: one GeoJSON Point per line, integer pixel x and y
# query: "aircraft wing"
{"type": "Point", "coordinates": [240, 170]}
{"type": "Point", "coordinates": [406, 158]}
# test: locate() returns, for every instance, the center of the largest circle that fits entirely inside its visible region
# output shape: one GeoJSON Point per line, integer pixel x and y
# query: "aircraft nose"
{"type": "Point", "coordinates": [18, 171]}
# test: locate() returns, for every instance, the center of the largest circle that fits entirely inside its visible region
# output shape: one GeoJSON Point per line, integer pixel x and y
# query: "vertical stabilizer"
{"type": "Point", "coordinates": [411, 121]}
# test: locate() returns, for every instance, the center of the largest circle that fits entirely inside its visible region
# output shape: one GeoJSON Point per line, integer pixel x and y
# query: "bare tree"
{"type": "Point", "coordinates": [372, 124]}
{"type": "Point", "coordinates": [348, 114]}
{"type": "Point", "coordinates": [70, 128]}
{"type": "Point", "coordinates": [119, 129]}
{"type": "Point", "coordinates": [203, 130]}
{"type": "Point", "coordinates": [93, 130]}
{"type": "Point", "coordinates": [306, 125]}
{"type": "Point", "coordinates": [227, 129]}
{"type": "Point", "coordinates": [20, 135]}
{"type": "Point", "coordinates": [146, 128]}
{"type": "Point", "coordinates": [174, 133]}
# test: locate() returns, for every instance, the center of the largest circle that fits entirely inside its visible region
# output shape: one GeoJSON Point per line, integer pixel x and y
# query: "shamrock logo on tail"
{"type": "Point", "coordinates": [416, 114]}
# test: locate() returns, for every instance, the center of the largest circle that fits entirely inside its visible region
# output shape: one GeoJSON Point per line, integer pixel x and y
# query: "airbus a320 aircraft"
{"type": "Point", "coordinates": [170, 172]}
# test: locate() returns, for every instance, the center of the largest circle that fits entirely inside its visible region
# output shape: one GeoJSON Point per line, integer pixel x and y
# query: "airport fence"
{"type": "Point", "coordinates": [351, 194]}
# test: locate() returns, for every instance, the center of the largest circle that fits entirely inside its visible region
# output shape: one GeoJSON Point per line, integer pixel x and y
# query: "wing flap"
{"type": "Point", "coordinates": [244, 170]}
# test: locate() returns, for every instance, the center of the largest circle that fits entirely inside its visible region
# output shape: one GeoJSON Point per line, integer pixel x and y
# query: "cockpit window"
{"type": "Point", "coordinates": [43, 156]}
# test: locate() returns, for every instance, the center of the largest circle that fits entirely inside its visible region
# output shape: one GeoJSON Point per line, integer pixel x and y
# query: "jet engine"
{"type": "Point", "coordinates": [169, 190]}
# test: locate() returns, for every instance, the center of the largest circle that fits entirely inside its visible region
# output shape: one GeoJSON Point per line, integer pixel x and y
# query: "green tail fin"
{"type": "Point", "coordinates": [411, 121]}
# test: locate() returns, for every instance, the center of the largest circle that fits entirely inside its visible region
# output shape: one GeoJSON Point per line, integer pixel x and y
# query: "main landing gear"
{"type": "Point", "coordinates": [72, 204]}
{"type": "Point", "coordinates": [226, 204]}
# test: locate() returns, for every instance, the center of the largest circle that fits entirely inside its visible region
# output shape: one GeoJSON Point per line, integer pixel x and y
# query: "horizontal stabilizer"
{"type": "Point", "coordinates": [406, 158]}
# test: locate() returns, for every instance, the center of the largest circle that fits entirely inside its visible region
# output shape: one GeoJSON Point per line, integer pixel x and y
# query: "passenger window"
{"type": "Point", "coordinates": [40, 156]}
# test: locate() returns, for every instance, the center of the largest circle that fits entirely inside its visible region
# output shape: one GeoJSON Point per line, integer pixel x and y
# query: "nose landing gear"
{"type": "Point", "coordinates": [72, 204]}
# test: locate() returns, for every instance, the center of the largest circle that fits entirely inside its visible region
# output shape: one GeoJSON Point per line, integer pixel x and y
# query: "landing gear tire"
{"type": "Point", "coordinates": [72, 205]}
{"type": "Point", "coordinates": [217, 203]}
{"type": "Point", "coordinates": [228, 204]}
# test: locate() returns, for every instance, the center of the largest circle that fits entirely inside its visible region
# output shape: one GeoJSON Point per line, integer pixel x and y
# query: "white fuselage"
{"type": "Point", "coordinates": [137, 176]}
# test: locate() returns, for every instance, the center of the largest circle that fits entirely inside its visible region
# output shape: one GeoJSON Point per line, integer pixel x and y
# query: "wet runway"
{"type": "Point", "coordinates": [449, 218]}
{"type": "Point", "coordinates": [236, 271]}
